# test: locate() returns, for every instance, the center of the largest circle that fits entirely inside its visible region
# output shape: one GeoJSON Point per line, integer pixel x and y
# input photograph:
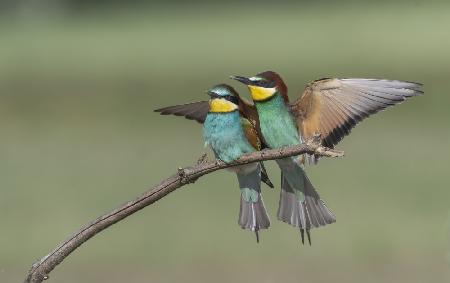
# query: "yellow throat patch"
{"type": "Point", "coordinates": [261, 93]}
{"type": "Point", "coordinates": [220, 105]}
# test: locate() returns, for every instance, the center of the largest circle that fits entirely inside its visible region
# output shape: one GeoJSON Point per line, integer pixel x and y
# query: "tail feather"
{"type": "Point", "coordinates": [306, 214]}
{"type": "Point", "coordinates": [253, 215]}
{"type": "Point", "coordinates": [265, 176]}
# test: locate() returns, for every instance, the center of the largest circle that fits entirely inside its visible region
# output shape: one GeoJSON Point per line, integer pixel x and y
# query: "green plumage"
{"type": "Point", "coordinates": [278, 130]}
{"type": "Point", "coordinates": [300, 204]}
{"type": "Point", "coordinates": [277, 125]}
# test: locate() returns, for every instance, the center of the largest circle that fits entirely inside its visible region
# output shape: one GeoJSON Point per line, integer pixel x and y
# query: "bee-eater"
{"type": "Point", "coordinates": [329, 107]}
{"type": "Point", "coordinates": [199, 110]}
{"type": "Point", "coordinates": [230, 131]}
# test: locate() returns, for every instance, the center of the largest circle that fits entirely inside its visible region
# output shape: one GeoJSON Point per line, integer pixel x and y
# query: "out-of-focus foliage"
{"type": "Point", "coordinates": [78, 137]}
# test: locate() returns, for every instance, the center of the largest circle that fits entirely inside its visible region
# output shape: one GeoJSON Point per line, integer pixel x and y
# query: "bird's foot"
{"type": "Point", "coordinates": [202, 159]}
{"type": "Point", "coordinates": [316, 139]}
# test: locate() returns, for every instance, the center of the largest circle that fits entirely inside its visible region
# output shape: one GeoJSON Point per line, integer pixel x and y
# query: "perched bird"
{"type": "Point", "coordinates": [199, 110]}
{"type": "Point", "coordinates": [229, 129]}
{"type": "Point", "coordinates": [329, 108]}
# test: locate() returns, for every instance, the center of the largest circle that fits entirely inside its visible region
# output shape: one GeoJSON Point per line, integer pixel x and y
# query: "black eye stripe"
{"type": "Point", "coordinates": [233, 99]}
{"type": "Point", "coordinates": [265, 84]}
{"type": "Point", "coordinates": [230, 98]}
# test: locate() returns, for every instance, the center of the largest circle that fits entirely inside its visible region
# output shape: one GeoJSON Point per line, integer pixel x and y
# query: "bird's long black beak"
{"type": "Point", "coordinates": [241, 79]}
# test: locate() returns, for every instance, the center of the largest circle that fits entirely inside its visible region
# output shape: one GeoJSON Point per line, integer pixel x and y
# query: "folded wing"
{"type": "Point", "coordinates": [253, 138]}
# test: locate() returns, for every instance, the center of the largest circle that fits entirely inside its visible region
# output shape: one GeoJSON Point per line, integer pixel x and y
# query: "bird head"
{"type": "Point", "coordinates": [223, 99]}
{"type": "Point", "coordinates": [264, 85]}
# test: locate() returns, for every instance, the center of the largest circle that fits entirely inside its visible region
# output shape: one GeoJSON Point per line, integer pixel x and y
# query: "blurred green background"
{"type": "Point", "coordinates": [78, 85]}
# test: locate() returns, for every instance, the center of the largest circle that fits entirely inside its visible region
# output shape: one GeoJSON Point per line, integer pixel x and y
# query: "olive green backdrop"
{"type": "Point", "coordinates": [78, 137]}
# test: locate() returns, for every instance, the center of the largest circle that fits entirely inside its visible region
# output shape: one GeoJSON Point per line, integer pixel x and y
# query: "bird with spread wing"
{"type": "Point", "coordinates": [329, 107]}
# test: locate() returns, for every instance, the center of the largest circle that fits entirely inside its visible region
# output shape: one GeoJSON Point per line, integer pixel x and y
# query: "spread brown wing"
{"type": "Point", "coordinates": [198, 110]}
{"type": "Point", "coordinates": [332, 107]}
{"type": "Point", "coordinates": [193, 111]}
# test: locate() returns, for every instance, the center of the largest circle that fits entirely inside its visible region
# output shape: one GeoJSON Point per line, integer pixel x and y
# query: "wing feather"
{"type": "Point", "coordinates": [198, 110]}
{"type": "Point", "coordinates": [332, 107]}
{"type": "Point", "coordinates": [193, 111]}
{"type": "Point", "coordinates": [251, 134]}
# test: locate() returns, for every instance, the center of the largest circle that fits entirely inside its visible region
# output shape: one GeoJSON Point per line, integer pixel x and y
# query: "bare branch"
{"type": "Point", "coordinates": [40, 270]}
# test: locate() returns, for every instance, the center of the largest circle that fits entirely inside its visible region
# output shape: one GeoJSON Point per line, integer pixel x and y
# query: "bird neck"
{"type": "Point", "coordinates": [262, 93]}
{"type": "Point", "coordinates": [221, 105]}
{"type": "Point", "coordinates": [273, 103]}
{"type": "Point", "coordinates": [223, 122]}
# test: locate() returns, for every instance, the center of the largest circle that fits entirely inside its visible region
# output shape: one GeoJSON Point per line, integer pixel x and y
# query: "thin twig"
{"type": "Point", "coordinates": [40, 270]}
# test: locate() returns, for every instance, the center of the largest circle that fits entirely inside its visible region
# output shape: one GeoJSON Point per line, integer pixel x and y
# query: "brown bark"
{"type": "Point", "coordinates": [40, 270]}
